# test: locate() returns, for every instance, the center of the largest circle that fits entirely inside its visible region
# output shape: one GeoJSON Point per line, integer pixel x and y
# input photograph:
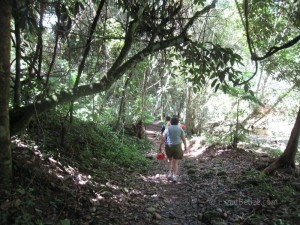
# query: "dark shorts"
{"type": "Point", "coordinates": [174, 151]}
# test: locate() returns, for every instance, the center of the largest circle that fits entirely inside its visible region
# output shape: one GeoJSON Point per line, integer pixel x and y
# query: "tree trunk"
{"type": "Point", "coordinates": [288, 156]}
{"type": "Point", "coordinates": [236, 132]}
{"type": "Point", "coordinates": [40, 41]}
{"type": "Point", "coordinates": [161, 99]}
{"type": "Point", "coordinates": [188, 115]}
{"type": "Point", "coordinates": [5, 150]}
{"type": "Point", "coordinates": [181, 105]}
{"type": "Point", "coordinates": [121, 113]}
{"type": "Point", "coordinates": [52, 63]}
{"type": "Point", "coordinates": [142, 114]}
{"type": "Point", "coordinates": [164, 110]}
{"type": "Point", "coordinates": [88, 43]}
{"type": "Point", "coordinates": [17, 85]}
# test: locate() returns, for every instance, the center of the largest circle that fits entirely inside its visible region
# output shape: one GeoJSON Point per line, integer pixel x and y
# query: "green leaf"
{"type": "Point", "coordinates": [246, 87]}
{"type": "Point", "coordinates": [221, 76]}
{"type": "Point", "coordinates": [65, 222]}
{"type": "Point", "coordinates": [195, 90]}
{"type": "Point", "coordinates": [232, 61]}
{"type": "Point", "coordinates": [214, 83]}
{"type": "Point", "coordinates": [199, 2]}
{"type": "Point", "coordinates": [226, 59]}
{"type": "Point", "coordinates": [217, 87]}
{"type": "Point", "coordinates": [224, 88]}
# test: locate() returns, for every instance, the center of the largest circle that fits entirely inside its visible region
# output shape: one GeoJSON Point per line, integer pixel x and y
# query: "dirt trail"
{"type": "Point", "coordinates": [173, 203]}
{"type": "Point", "coordinates": [217, 186]}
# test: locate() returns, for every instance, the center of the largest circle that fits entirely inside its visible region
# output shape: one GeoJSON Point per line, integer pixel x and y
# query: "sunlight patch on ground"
{"type": "Point", "coordinates": [83, 179]}
{"type": "Point", "coordinates": [196, 152]}
{"type": "Point", "coordinates": [98, 197]}
{"type": "Point", "coordinates": [112, 186]}
{"type": "Point", "coordinates": [159, 178]}
{"type": "Point", "coordinates": [196, 146]}
{"type": "Point", "coordinates": [221, 151]}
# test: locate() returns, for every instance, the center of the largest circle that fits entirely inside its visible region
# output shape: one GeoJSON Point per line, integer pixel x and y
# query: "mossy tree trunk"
{"type": "Point", "coordinates": [5, 150]}
{"type": "Point", "coordinates": [287, 159]}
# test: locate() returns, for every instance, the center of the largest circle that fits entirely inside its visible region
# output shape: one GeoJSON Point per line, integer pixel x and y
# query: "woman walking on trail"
{"type": "Point", "coordinates": [173, 137]}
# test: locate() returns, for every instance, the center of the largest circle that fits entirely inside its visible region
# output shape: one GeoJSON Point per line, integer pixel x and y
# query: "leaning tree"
{"type": "Point", "coordinates": [272, 32]}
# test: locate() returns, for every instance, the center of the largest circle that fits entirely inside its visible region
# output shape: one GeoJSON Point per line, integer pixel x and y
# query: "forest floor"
{"type": "Point", "coordinates": [217, 185]}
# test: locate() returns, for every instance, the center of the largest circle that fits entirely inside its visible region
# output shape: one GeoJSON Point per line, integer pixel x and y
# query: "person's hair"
{"type": "Point", "coordinates": [174, 121]}
{"type": "Point", "coordinates": [168, 118]}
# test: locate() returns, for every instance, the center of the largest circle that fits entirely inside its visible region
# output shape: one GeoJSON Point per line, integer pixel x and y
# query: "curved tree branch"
{"type": "Point", "coordinates": [275, 49]}
{"type": "Point", "coordinates": [253, 75]}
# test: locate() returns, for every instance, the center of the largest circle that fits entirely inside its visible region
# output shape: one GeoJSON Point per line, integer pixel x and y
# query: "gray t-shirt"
{"type": "Point", "coordinates": [174, 134]}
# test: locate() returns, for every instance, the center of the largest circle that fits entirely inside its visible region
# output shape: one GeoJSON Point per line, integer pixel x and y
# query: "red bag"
{"type": "Point", "coordinates": [182, 126]}
{"type": "Point", "coordinates": [160, 156]}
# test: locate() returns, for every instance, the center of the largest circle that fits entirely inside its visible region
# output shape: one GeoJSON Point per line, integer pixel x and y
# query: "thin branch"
{"type": "Point", "coordinates": [88, 43]}
{"type": "Point", "coordinates": [247, 28]}
{"type": "Point", "coordinates": [240, 13]}
{"type": "Point", "coordinates": [133, 25]}
{"type": "Point", "coordinates": [199, 13]}
{"type": "Point", "coordinates": [253, 75]}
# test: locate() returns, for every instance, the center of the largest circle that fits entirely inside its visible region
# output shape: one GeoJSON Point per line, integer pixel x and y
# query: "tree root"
{"type": "Point", "coordinates": [279, 163]}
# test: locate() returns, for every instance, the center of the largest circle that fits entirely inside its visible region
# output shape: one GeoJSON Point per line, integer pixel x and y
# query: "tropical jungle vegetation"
{"type": "Point", "coordinates": [83, 81]}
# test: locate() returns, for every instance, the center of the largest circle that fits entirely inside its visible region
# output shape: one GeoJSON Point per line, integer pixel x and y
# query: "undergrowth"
{"type": "Point", "coordinates": [85, 143]}
{"type": "Point", "coordinates": [52, 158]}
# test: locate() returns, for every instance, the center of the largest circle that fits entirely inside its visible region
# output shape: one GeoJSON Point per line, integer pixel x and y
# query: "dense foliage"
{"type": "Point", "coordinates": [76, 77]}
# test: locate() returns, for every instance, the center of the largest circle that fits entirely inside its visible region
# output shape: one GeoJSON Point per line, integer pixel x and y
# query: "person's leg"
{"type": "Point", "coordinates": [169, 153]}
{"type": "Point", "coordinates": [178, 155]}
{"type": "Point", "coordinates": [175, 169]}
{"type": "Point", "coordinates": [175, 166]}
{"type": "Point", "coordinates": [170, 166]}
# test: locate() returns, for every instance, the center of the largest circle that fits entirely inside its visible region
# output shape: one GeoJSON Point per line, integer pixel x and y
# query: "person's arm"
{"type": "Point", "coordinates": [163, 139]}
{"type": "Point", "coordinates": [162, 129]}
{"type": "Point", "coordinates": [184, 142]}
